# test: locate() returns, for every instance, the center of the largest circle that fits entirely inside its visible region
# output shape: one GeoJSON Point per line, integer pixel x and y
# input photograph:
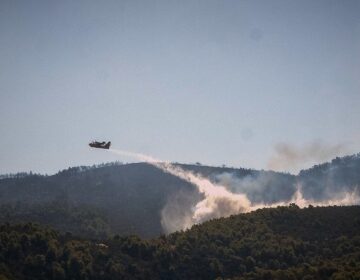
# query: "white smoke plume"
{"type": "Point", "coordinates": [268, 190]}
{"type": "Point", "coordinates": [218, 200]}
{"type": "Point", "coordinates": [139, 156]}
{"type": "Point", "coordinates": [343, 199]}
{"type": "Point", "coordinates": [290, 158]}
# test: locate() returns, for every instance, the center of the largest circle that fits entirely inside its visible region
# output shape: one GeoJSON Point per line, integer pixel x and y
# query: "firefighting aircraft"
{"type": "Point", "coordinates": [100, 145]}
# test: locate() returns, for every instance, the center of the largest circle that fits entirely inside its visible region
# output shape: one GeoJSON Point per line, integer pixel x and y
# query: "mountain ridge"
{"type": "Point", "coordinates": [129, 198]}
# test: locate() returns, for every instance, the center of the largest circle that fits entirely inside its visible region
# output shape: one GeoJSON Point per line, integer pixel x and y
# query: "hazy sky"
{"type": "Point", "coordinates": [219, 82]}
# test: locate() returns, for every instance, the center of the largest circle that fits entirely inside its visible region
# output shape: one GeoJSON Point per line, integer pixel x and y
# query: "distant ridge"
{"type": "Point", "coordinates": [128, 198]}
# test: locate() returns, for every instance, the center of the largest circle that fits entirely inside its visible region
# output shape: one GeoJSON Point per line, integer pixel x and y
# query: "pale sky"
{"type": "Point", "coordinates": [216, 82]}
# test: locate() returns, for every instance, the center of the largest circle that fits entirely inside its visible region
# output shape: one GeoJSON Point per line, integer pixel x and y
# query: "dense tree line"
{"type": "Point", "coordinates": [324, 181]}
{"type": "Point", "coordinates": [82, 220]}
{"type": "Point", "coordinates": [129, 197]}
{"type": "Point", "coordinates": [94, 201]}
{"type": "Point", "coordinates": [279, 243]}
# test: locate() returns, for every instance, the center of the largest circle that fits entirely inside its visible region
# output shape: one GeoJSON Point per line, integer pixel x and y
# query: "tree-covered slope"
{"type": "Point", "coordinates": [279, 243]}
{"type": "Point", "coordinates": [123, 198]}
{"type": "Point", "coordinates": [323, 181]}
{"type": "Point", "coordinates": [114, 198]}
{"type": "Point", "coordinates": [129, 199]}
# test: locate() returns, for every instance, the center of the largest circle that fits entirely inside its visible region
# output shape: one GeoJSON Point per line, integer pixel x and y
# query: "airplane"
{"type": "Point", "coordinates": [100, 145]}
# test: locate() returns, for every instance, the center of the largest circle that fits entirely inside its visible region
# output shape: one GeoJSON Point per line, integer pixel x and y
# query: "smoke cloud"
{"type": "Point", "coordinates": [229, 194]}
{"type": "Point", "coordinates": [178, 211]}
{"type": "Point", "coordinates": [268, 189]}
{"type": "Point", "coordinates": [290, 158]}
{"type": "Point", "coordinates": [261, 187]}
{"type": "Point", "coordinates": [343, 199]}
{"type": "Point", "coordinates": [217, 200]}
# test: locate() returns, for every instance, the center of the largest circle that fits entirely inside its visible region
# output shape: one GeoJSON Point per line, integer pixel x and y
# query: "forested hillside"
{"type": "Point", "coordinates": [92, 201]}
{"type": "Point", "coordinates": [324, 180]}
{"type": "Point", "coordinates": [280, 243]}
{"type": "Point", "coordinates": [102, 200]}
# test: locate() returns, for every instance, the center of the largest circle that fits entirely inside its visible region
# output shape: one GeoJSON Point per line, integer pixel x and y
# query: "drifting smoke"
{"type": "Point", "coordinates": [218, 201]}
{"type": "Point", "coordinates": [230, 195]}
{"type": "Point", "coordinates": [291, 158]}
{"type": "Point", "coordinates": [261, 187]}
{"type": "Point", "coordinates": [139, 156]}
{"type": "Point", "coordinates": [343, 199]}
{"type": "Point", "coordinates": [272, 190]}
